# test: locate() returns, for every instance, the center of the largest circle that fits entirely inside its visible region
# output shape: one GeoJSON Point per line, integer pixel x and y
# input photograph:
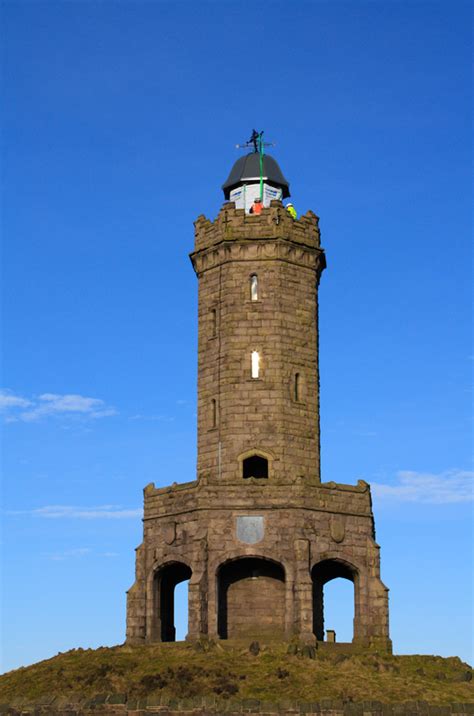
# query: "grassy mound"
{"type": "Point", "coordinates": [185, 670]}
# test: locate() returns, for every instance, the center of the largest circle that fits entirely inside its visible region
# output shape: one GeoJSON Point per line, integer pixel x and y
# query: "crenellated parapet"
{"type": "Point", "coordinates": [273, 234]}
{"type": "Point", "coordinates": [274, 222]}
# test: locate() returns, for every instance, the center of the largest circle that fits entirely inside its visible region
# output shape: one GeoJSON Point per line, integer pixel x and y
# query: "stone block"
{"type": "Point", "coordinates": [269, 707]}
{"type": "Point", "coordinates": [250, 705]}
{"type": "Point", "coordinates": [117, 699]}
{"type": "Point", "coordinates": [354, 709]}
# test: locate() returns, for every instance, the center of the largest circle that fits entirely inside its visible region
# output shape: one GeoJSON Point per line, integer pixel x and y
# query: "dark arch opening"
{"type": "Point", "coordinates": [255, 466]}
{"type": "Point", "coordinates": [166, 580]}
{"type": "Point", "coordinates": [251, 599]}
{"type": "Point", "coordinates": [321, 574]}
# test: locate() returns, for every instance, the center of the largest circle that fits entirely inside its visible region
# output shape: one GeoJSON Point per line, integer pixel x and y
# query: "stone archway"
{"type": "Point", "coordinates": [164, 583]}
{"type": "Point", "coordinates": [251, 599]}
{"type": "Point", "coordinates": [322, 573]}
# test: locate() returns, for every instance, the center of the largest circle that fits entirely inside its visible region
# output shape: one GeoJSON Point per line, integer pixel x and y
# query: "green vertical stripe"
{"type": "Point", "coordinates": [260, 139]}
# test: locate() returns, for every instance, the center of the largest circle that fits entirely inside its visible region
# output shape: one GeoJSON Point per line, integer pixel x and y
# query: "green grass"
{"type": "Point", "coordinates": [227, 670]}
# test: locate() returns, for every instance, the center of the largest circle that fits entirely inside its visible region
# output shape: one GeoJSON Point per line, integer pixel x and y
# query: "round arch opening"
{"type": "Point", "coordinates": [251, 599]}
{"type": "Point", "coordinates": [322, 573]}
{"type": "Point", "coordinates": [165, 581]}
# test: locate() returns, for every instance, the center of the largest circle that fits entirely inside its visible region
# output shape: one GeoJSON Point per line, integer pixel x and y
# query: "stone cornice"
{"type": "Point", "coordinates": [254, 508]}
{"type": "Point", "coordinates": [333, 498]}
{"type": "Point", "coordinates": [361, 487]}
{"type": "Point", "coordinates": [270, 249]}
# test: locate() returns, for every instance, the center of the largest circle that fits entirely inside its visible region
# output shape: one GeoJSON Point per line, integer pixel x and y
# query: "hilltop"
{"type": "Point", "coordinates": [231, 671]}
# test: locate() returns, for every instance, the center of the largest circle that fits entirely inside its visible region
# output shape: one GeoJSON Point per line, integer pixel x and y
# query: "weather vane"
{"type": "Point", "coordinates": [255, 141]}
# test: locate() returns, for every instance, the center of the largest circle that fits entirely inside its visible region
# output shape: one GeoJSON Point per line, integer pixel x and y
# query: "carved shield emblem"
{"type": "Point", "coordinates": [250, 529]}
{"type": "Point", "coordinates": [169, 533]}
{"type": "Point", "coordinates": [338, 529]}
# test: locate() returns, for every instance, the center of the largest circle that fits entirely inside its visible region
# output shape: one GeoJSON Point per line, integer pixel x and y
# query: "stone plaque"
{"type": "Point", "coordinates": [169, 533]}
{"type": "Point", "coordinates": [338, 529]}
{"type": "Point", "coordinates": [250, 529]}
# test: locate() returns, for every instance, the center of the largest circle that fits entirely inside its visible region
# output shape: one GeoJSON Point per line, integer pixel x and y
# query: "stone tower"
{"type": "Point", "coordinates": [257, 534]}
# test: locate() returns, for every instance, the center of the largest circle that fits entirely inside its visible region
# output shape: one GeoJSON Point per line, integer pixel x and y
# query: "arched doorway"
{"type": "Point", "coordinates": [165, 583]}
{"type": "Point", "coordinates": [251, 599]}
{"type": "Point", "coordinates": [321, 574]}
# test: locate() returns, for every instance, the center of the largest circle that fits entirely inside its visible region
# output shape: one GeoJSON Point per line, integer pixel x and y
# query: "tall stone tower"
{"type": "Point", "coordinates": [257, 534]}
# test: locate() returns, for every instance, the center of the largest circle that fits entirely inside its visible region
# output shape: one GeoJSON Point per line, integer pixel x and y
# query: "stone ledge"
{"type": "Point", "coordinates": [119, 705]}
{"type": "Point", "coordinates": [203, 496]}
{"type": "Point", "coordinates": [151, 489]}
{"type": "Point", "coordinates": [203, 482]}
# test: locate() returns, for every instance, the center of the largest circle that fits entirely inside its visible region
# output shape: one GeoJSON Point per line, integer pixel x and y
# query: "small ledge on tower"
{"type": "Point", "coordinates": [361, 486]}
{"type": "Point", "coordinates": [151, 488]}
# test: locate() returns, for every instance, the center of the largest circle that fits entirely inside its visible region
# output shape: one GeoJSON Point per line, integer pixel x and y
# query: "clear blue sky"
{"type": "Point", "coordinates": [119, 125]}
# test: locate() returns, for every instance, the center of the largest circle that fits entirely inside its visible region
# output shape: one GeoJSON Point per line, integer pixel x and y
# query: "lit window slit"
{"type": "Point", "coordinates": [255, 364]}
{"type": "Point", "coordinates": [254, 287]}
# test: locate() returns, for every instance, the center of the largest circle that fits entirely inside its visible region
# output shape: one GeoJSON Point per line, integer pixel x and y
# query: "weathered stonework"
{"type": "Point", "coordinates": [257, 533]}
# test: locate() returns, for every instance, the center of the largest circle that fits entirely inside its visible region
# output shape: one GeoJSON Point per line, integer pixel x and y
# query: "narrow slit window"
{"type": "Point", "coordinates": [213, 412]}
{"type": "Point", "coordinates": [213, 322]}
{"type": "Point", "coordinates": [255, 364]}
{"type": "Point", "coordinates": [254, 287]}
{"type": "Point", "coordinates": [297, 393]}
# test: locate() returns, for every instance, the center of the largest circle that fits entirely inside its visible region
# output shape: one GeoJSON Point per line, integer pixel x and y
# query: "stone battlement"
{"type": "Point", "coordinates": [274, 222]}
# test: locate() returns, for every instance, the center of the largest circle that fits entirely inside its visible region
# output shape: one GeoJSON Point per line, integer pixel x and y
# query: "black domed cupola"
{"type": "Point", "coordinates": [255, 174]}
{"type": "Point", "coordinates": [247, 169]}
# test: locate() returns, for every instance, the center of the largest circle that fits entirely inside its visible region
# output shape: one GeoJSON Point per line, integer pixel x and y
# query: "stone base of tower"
{"type": "Point", "coordinates": [257, 560]}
